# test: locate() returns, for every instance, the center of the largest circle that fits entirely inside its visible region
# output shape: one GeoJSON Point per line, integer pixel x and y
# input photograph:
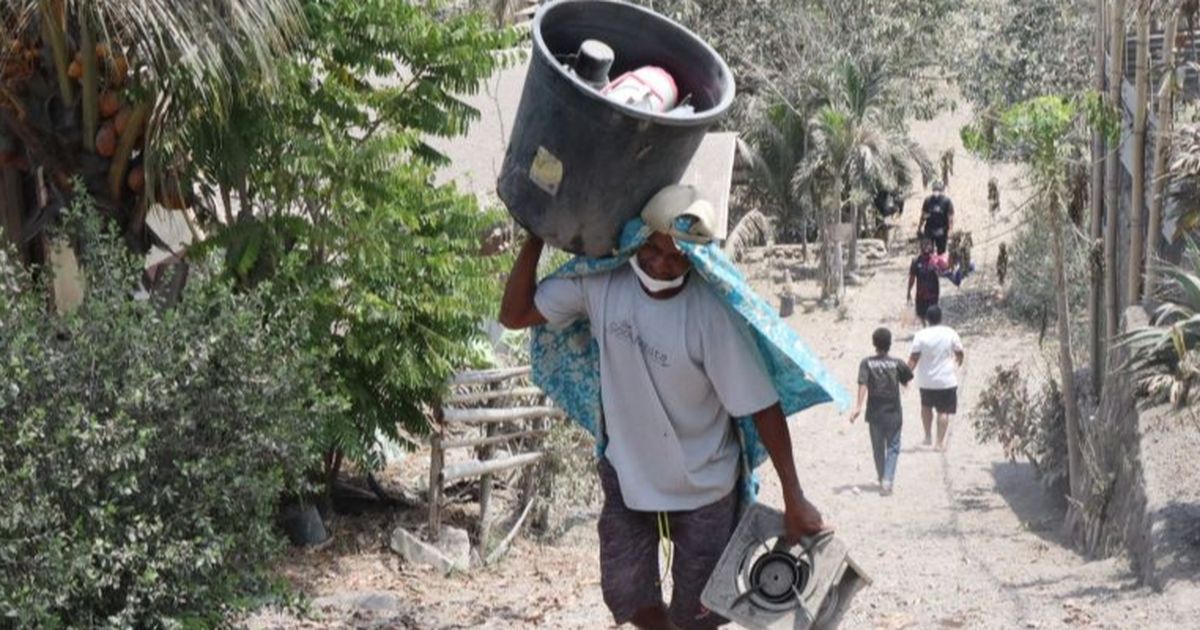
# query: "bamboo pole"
{"type": "Point", "coordinates": [1116, 74]}
{"type": "Point", "coordinates": [481, 416]}
{"type": "Point", "coordinates": [1096, 298]}
{"type": "Point", "coordinates": [497, 439]}
{"type": "Point", "coordinates": [1162, 152]}
{"type": "Point", "coordinates": [490, 395]}
{"type": "Point", "coordinates": [470, 469]}
{"type": "Point", "coordinates": [502, 548]}
{"type": "Point", "coordinates": [1137, 206]}
{"type": "Point", "coordinates": [484, 377]}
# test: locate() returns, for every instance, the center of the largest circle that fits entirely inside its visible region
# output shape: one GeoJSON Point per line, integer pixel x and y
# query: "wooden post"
{"type": "Point", "coordinates": [1096, 298]}
{"type": "Point", "coordinates": [1162, 151]}
{"type": "Point", "coordinates": [436, 461]}
{"type": "Point", "coordinates": [1133, 282]}
{"type": "Point", "coordinates": [1112, 201]}
{"type": "Point", "coordinates": [483, 452]}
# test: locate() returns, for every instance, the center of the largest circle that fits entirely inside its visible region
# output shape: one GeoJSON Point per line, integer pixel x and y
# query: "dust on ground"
{"type": "Point", "coordinates": [968, 540]}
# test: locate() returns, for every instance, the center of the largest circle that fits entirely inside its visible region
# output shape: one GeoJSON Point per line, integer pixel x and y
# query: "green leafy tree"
{"type": "Point", "coordinates": [1051, 132]}
{"type": "Point", "coordinates": [1014, 51]}
{"type": "Point", "coordinates": [326, 184]}
{"type": "Point", "coordinates": [145, 448]}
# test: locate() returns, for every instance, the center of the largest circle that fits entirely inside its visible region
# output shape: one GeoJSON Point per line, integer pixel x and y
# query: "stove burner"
{"type": "Point", "coordinates": [778, 578]}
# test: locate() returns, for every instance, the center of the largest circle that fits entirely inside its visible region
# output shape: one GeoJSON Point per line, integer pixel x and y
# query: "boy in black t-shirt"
{"type": "Point", "coordinates": [880, 377]}
{"type": "Point", "coordinates": [937, 217]}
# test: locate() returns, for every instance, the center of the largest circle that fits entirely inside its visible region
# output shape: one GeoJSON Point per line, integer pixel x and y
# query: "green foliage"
{"type": "Point", "coordinates": [1010, 52]}
{"type": "Point", "coordinates": [1026, 424]}
{"type": "Point", "coordinates": [1050, 134]}
{"type": "Point", "coordinates": [334, 175]}
{"type": "Point", "coordinates": [144, 450]}
{"type": "Point", "coordinates": [1031, 292]}
{"type": "Point", "coordinates": [1170, 345]}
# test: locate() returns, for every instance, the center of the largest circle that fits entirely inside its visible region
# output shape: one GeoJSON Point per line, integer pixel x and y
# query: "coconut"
{"type": "Point", "coordinates": [110, 104]}
{"type": "Point", "coordinates": [106, 141]}
{"type": "Point", "coordinates": [122, 120]}
{"type": "Point", "coordinates": [137, 179]}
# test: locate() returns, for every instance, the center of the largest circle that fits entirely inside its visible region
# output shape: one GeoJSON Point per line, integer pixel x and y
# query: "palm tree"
{"type": "Point", "coordinates": [856, 97]}
{"type": "Point", "coordinates": [775, 151]}
{"type": "Point", "coordinates": [95, 89]}
{"type": "Point", "coordinates": [851, 157]}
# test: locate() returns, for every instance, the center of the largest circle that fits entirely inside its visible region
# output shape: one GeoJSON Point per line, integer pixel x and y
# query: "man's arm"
{"type": "Point", "coordinates": [949, 216]}
{"type": "Point", "coordinates": [517, 309]}
{"type": "Point", "coordinates": [912, 279]}
{"type": "Point", "coordinates": [959, 356]}
{"type": "Point", "coordinates": [801, 518]}
{"type": "Point", "coordinates": [913, 359]}
{"type": "Point", "coordinates": [858, 405]}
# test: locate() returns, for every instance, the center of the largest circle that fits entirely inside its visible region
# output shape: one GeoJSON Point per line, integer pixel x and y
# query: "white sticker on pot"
{"type": "Point", "coordinates": [546, 171]}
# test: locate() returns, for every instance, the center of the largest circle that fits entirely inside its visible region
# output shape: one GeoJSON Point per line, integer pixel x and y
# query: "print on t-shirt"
{"type": "Point", "coordinates": [623, 330]}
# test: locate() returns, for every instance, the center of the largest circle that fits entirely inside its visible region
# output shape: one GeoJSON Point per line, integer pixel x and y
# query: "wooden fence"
{"type": "Point", "coordinates": [487, 409]}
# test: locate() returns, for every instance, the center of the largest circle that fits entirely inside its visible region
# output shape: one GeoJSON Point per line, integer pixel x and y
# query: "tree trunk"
{"type": "Point", "coordinates": [1066, 364]}
{"type": "Point", "coordinates": [12, 209]}
{"type": "Point", "coordinates": [1096, 297]}
{"type": "Point", "coordinates": [1116, 73]}
{"type": "Point", "coordinates": [1137, 207]}
{"type": "Point", "coordinates": [855, 213]}
{"type": "Point", "coordinates": [1162, 152]}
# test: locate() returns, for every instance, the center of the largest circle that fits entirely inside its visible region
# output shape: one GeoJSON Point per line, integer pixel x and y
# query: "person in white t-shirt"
{"type": "Point", "coordinates": [675, 366]}
{"type": "Point", "coordinates": [936, 354]}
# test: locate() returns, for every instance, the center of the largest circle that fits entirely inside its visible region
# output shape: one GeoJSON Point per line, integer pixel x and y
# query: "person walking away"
{"type": "Point", "coordinates": [675, 365]}
{"type": "Point", "coordinates": [937, 217]}
{"type": "Point", "coordinates": [925, 274]}
{"type": "Point", "coordinates": [935, 356]}
{"type": "Point", "coordinates": [880, 378]}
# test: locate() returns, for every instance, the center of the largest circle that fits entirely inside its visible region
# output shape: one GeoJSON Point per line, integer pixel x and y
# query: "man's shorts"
{"type": "Point", "coordinates": [939, 240]}
{"type": "Point", "coordinates": [943, 400]}
{"type": "Point", "coordinates": [629, 544]}
{"type": "Point", "coordinates": [923, 307]}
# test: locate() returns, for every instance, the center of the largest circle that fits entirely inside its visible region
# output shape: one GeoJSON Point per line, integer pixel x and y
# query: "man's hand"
{"type": "Point", "coordinates": [801, 518]}
{"type": "Point", "coordinates": [908, 299]}
{"type": "Point", "coordinates": [854, 414]}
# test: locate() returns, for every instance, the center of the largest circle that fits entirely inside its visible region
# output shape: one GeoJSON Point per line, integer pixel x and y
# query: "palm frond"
{"type": "Point", "coordinates": [753, 228]}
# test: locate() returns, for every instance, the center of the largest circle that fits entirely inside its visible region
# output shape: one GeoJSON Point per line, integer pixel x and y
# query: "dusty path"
{"type": "Point", "coordinates": [968, 540]}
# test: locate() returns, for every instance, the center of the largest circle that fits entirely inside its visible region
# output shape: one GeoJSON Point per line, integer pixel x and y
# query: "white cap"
{"type": "Point", "coordinates": [676, 201]}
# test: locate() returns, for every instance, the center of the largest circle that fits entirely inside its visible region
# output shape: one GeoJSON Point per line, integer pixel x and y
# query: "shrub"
{"type": "Point", "coordinates": [145, 449]}
{"type": "Point", "coordinates": [1030, 425]}
{"type": "Point", "coordinates": [1031, 294]}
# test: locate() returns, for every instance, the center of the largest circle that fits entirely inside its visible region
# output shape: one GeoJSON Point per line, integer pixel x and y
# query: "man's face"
{"type": "Point", "coordinates": [926, 247]}
{"type": "Point", "coordinates": [661, 259]}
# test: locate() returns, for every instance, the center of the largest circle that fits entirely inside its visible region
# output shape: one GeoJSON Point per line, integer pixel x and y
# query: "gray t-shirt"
{"type": "Point", "coordinates": [672, 372]}
{"type": "Point", "coordinates": [883, 376]}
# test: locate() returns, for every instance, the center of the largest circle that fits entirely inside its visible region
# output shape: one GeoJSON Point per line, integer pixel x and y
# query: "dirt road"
{"type": "Point", "coordinates": [968, 540]}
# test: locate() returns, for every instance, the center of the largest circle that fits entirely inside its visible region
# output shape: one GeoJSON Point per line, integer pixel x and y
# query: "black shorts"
{"type": "Point", "coordinates": [939, 241]}
{"type": "Point", "coordinates": [943, 400]}
{"type": "Point", "coordinates": [629, 544]}
{"type": "Point", "coordinates": [923, 307]}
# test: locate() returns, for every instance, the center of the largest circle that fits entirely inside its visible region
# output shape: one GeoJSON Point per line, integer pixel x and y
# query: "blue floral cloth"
{"type": "Point", "coordinates": [566, 361]}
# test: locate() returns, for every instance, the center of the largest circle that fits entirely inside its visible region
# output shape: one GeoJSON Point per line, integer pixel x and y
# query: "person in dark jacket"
{"type": "Point", "coordinates": [937, 217]}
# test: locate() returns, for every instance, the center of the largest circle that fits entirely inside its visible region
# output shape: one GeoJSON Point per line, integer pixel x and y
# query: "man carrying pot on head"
{"type": "Point", "coordinates": [937, 217]}
{"type": "Point", "coordinates": [672, 362]}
